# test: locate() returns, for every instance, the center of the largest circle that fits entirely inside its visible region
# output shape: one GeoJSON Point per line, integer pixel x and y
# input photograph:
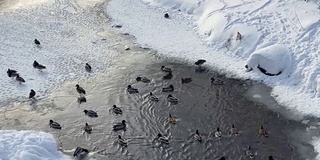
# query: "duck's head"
{"type": "Point", "coordinates": [162, 67]}
{"type": "Point", "coordinates": [232, 125]}
{"type": "Point", "coordinates": [85, 111]}
{"type": "Point", "coordinates": [222, 158]}
{"type": "Point", "coordinates": [114, 106]}
{"type": "Point", "coordinates": [248, 68]}
{"type": "Point", "coordinates": [129, 86]}
{"type": "Point", "coordinates": [212, 79]}
{"type": "Point", "coordinates": [138, 78]}
{"type": "Point", "coordinates": [159, 135]}
{"type": "Point", "coordinates": [170, 95]}
{"type": "Point", "coordinates": [32, 90]}
{"type": "Point", "coordinates": [249, 147]}
{"type": "Point", "coordinates": [270, 158]}
{"type": "Point", "coordinates": [150, 94]}
{"type": "Point", "coordinates": [87, 124]}
{"type": "Point", "coordinates": [171, 86]}
{"type": "Point", "coordinates": [35, 62]}
{"type": "Point", "coordinates": [77, 86]}
{"type": "Point", "coordinates": [124, 122]}
{"type": "Point", "coordinates": [87, 64]}
{"type": "Point", "coordinates": [119, 137]}
{"type": "Point", "coordinates": [218, 129]}
{"type": "Point", "coordinates": [261, 127]}
{"type": "Point", "coordinates": [50, 121]}
{"type": "Point", "coordinates": [17, 75]}
{"type": "Point", "coordinates": [170, 115]}
{"type": "Point", "coordinates": [197, 132]}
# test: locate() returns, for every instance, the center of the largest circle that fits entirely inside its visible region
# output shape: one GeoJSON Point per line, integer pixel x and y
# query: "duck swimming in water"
{"type": "Point", "coordinates": [88, 67]}
{"type": "Point", "coordinates": [200, 62]}
{"type": "Point", "coordinates": [37, 42]}
{"type": "Point", "coordinates": [80, 90]}
{"type": "Point", "coordinates": [197, 136]}
{"type": "Point", "coordinates": [87, 128]}
{"type": "Point", "coordinates": [217, 133]}
{"type": "Point", "coordinates": [116, 109]}
{"type": "Point", "coordinates": [162, 139]}
{"type": "Point", "coordinates": [19, 79]}
{"type": "Point", "coordinates": [153, 97]}
{"type": "Point", "coordinates": [132, 90]}
{"type": "Point", "coordinates": [167, 76]}
{"type": "Point", "coordinates": [12, 73]}
{"type": "Point", "coordinates": [32, 94]}
{"type": "Point", "coordinates": [262, 132]}
{"type": "Point", "coordinates": [249, 152]}
{"type": "Point", "coordinates": [186, 80]}
{"type": "Point", "coordinates": [122, 142]}
{"type": "Point", "coordinates": [120, 126]}
{"type": "Point", "coordinates": [172, 99]}
{"type": "Point", "coordinates": [90, 113]}
{"type": "Point", "coordinates": [82, 99]}
{"type": "Point", "coordinates": [171, 119]}
{"type": "Point", "coordinates": [165, 69]}
{"type": "Point", "coordinates": [80, 152]}
{"type": "Point", "coordinates": [38, 66]}
{"type": "Point", "coordinates": [168, 89]}
{"type": "Point", "coordinates": [216, 81]}
{"type": "Point", "coordinates": [54, 125]}
{"type": "Point", "coordinates": [143, 79]}
{"type": "Point", "coordinates": [233, 131]}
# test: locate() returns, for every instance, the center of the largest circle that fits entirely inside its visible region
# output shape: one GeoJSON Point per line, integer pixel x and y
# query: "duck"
{"type": "Point", "coordinates": [20, 79]}
{"type": "Point", "coordinates": [162, 139]}
{"type": "Point", "coordinates": [200, 62]}
{"type": "Point", "coordinates": [263, 132]}
{"type": "Point", "coordinates": [122, 142]}
{"type": "Point", "coordinates": [32, 94]}
{"type": "Point", "coordinates": [116, 110]}
{"type": "Point", "coordinates": [170, 88]}
{"type": "Point", "coordinates": [12, 73]}
{"type": "Point", "coordinates": [90, 113]}
{"type": "Point", "coordinates": [80, 152]}
{"type": "Point", "coordinates": [197, 136]}
{"type": "Point", "coordinates": [38, 65]}
{"type": "Point", "coordinates": [270, 158]}
{"type": "Point", "coordinates": [54, 125]}
{"type": "Point", "coordinates": [216, 81]}
{"type": "Point", "coordinates": [167, 76]}
{"type": "Point", "coordinates": [165, 69]}
{"type": "Point", "coordinates": [171, 120]}
{"type": "Point", "coordinates": [222, 158]}
{"type": "Point", "coordinates": [249, 152]}
{"type": "Point", "coordinates": [166, 15]}
{"type": "Point", "coordinates": [248, 69]}
{"type": "Point", "coordinates": [87, 128]}
{"type": "Point", "coordinates": [217, 133]}
{"type": "Point", "coordinates": [143, 79]}
{"type": "Point", "coordinates": [233, 131]}
{"type": "Point", "coordinates": [82, 99]}
{"type": "Point", "coordinates": [87, 67]}
{"type": "Point", "coordinates": [153, 97]}
{"type": "Point", "coordinates": [80, 90]}
{"type": "Point", "coordinates": [186, 80]}
{"type": "Point", "coordinates": [37, 42]}
{"type": "Point", "coordinates": [172, 99]}
{"type": "Point", "coordinates": [120, 126]}
{"type": "Point", "coordinates": [132, 90]}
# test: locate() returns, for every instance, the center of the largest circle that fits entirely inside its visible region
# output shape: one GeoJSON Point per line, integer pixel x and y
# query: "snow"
{"type": "Point", "coordinates": [28, 145]}
{"type": "Point", "coordinates": [281, 35]}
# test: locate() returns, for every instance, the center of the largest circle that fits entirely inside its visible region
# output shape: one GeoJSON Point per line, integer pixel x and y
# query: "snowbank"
{"type": "Point", "coordinates": [28, 145]}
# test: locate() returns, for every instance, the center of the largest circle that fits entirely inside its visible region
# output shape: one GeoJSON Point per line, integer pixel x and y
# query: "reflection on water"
{"type": "Point", "coordinates": [201, 106]}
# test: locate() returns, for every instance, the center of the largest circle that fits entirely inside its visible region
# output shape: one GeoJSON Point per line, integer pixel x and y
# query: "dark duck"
{"type": "Point", "coordinates": [54, 125]}
{"type": "Point", "coordinates": [199, 63]}
{"type": "Point", "coordinates": [80, 152]}
{"type": "Point", "coordinates": [37, 42]}
{"type": "Point", "coordinates": [132, 90]}
{"type": "Point", "coordinates": [165, 69]}
{"type": "Point", "coordinates": [87, 128]}
{"type": "Point", "coordinates": [153, 97]}
{"type": "Point", "coordinates": [38, 66]}
{"type": "Point", "coordinates": [167, 76]}
{"type": "Point", "coordinates": [122, 142]}
{"type": "Point", "coordinates": [32, 94]}
{"type": "Point", "coordinates": [143, 79]}
{"type": "Point", "coordinates": [216, 81]}
{"type": "Point", "coordinates": [162, 139]}
{"type": "Point", "coordinates": [197, 136]}
{"type": "Point", "coordinates": [186, 80]}
{"type": "Point", "coordinates": [90, 113]}
{"type": "Point", "coordinates": [88, 67]}
{"type": "Point", "coordinates": [82, 99]}
{"type": "Point", "coordinates": [170, 88]}
{"type": "Point", "coordinates": [218, 133]}
{"type": "Point", "coordinates": [172, 99]}
{"type": "Point", "coordinates": [263, 132]}
{"type": "Point", "coordinates": [20, 79]}
{"type": "Point", "coordinates": [249, 152]}
{"type": "Point", "coordinates": [12, 73]}
{"type": "Point", "coordinates": [120, 126]}
{"type": "Point", "coordinates": [80, 90]}
{"type": "Point", "coordinates": [116, 109]}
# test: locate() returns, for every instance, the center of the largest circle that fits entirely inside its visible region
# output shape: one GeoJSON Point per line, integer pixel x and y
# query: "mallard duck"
{"type": "Point", "coordinates": [168, 89]}
{"type": "Point", "coordinates": [165, 69]}
{"type": "Point", "coordinates": [38, 66]}
{"type": "Point", "coordinates": [80, 90]}
{"type": "Point", "coordinates": [54, 125]}
{"type": "Point", "coordinates": [216, 81]}
{"type": "Point", "coordinates": [120, 126]}
{"type": "Point", "coordinates": [90, 113]}
{"type": "Point", "coordinates": [270, 158]}
{"type": "Point", "coordinates": [12, 73]}
{"type": "Point", "coordinates": [233, 131]}
{"type": "Point", "coordinates": [217, 133]}
{"type": "Point", "coordinates": [153, 97]}
{"type": "Point", "coordinates": [171, 120]}
{"type": "Point", "coordinates": [249, 152]}
{"type": "Point", "coordinates": [87, 128]}
{"type": "Point", "coordinates": [172, 99]}
{"type": "Point", "coordinates": [162, 139]}
{"type": "Point", "coordinates": [200, 62]}
{"type": "Point", "coordinates": [197, 136]}
{"type": "Point", "coordinates": [80, 152]}
{"type": "Point", "coordinates": [263, 132]}
{"type": "Point", "coordinates": [186, 80]}
{"type": "Point", "coordinates": [116, 110]}
{"type": "Point", "coordinates": [168, 76]}
{"type": "Point", "coordinates": [37, 42]}
{"type": "Point", "coordinates": [82, 99]}
{"type": "Point", "coordinates": [32, 94]}
{"type": "Point", "coordinates": [19, 79]}
{"type": "Point", "coordinates": [143, 79]}
{"type": "Point", "coordinates": [88, 67]}
{"type": "Point", "coordinates": [122, 142]}
{"type": "Point", "coordinates": [132, 90]}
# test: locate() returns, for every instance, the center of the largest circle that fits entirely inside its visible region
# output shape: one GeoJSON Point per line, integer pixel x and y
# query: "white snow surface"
{"type": "Point", "coordinates": [28, 145]}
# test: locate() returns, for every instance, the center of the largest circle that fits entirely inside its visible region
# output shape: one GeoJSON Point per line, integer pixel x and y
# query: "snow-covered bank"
{"type": "Point", "coordinates": [28, 145]}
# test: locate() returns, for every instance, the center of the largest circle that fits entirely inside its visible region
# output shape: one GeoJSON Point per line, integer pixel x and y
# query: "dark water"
{"type": "Point", "coordinates": [201, 106]}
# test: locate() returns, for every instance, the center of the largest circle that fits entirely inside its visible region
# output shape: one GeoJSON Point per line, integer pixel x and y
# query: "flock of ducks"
{"type": "Point", "coordinates": [80, 152]}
